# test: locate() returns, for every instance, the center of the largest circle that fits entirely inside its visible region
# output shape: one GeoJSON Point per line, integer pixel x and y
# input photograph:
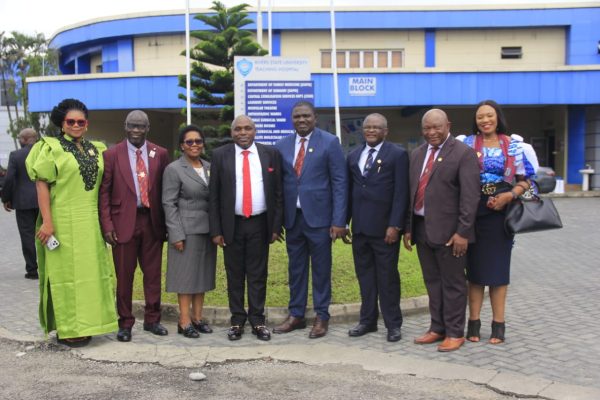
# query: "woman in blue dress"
{"type": "Point", "coordinates": [503, 179]}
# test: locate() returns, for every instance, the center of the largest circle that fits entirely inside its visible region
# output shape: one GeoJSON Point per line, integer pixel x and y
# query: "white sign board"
{"type": "Point", "coordinates": [265, 69]}
{"type": "Point", "coordinates": [362, 86]}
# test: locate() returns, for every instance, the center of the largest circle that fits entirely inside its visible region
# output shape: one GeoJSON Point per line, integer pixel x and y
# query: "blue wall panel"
{"type": "Point", "coordinates": [125, 54]}
{"type": "Point", "coordinates": [430, 47]}
{"type": "Point", "coordinates": [576, 147]}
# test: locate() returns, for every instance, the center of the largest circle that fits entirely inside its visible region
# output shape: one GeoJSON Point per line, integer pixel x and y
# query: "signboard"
{"type": "Point", "coordinates": [266, 88]}
{"type": "Point", "coordinates": [362, 86]}
{"type": "Point", "coordinates": [269, 104]}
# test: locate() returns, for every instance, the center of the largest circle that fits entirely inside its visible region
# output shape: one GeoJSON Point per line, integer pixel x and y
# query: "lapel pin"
{"type": "Point", "coordinates": [91, 152]}
{"type": "Point", "coordinates": [379, 161]}
{"type": "Point", "coordinates": [310, 149]}
{"type": "Point", "coordinates": [152, 153]}
{"type": "Point", "coordinates": [478, 155]}
{"type": "Point", "coordinates": [440, 159]}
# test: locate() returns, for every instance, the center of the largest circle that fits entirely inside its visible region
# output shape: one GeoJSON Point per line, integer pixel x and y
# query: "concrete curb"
{"type": "Point", "coordinates": [105, 349]}
{"type": "Point", "coordinates": [340, 313]}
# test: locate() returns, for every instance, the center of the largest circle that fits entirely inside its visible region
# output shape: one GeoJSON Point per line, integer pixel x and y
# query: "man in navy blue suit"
{"type": "Point", "coordinates": [378, 187]}
{"type": "Point", "coordinates": [314, 200]}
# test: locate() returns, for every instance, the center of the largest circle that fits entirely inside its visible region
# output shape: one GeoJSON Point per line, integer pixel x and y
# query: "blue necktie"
{"type": "Point", "coordinates": [369, 162]}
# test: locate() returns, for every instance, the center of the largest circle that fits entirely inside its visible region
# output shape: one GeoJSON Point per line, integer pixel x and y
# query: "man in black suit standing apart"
{"type": "Point", "coordinates": [444, 194]}
{"type": "Point", "coordinates": [245, 217]}
{"type": "Point", "coordinates": [19, 194]}
{"type": "Point", "coordinates": [378, 180]}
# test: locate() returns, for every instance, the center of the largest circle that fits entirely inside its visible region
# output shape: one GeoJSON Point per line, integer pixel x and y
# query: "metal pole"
{"type": "Point", "coordinates": [336, 99]}
{"type": "Point", "coordinates": [188, 77]}
{"type": "Point", "coordinates": [270, 26]}
{"type": "Point", "coordinates": [259, 28]}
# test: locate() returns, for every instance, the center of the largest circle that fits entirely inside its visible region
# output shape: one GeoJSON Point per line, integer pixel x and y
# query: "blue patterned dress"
{"type": "Point", "coordinates": [489, 257]}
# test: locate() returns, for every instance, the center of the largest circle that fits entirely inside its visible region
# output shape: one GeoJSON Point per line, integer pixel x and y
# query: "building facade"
{"type": "Point", "coordinates": [540, 62]}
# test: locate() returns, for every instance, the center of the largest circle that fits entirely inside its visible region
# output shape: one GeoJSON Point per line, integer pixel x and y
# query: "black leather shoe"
{"type": "Point", "coordinates": [394, 335]}
{"type": "Point", "coordinates": [188, 331]}
{"type": "Point", "coordinates": [362, 329]}
{"type": "Point", "coordinates": [124, 335]}
{"type": "Point", "coordinates": [235, 332]}
{"type": "Point", "coordinates": [156, 328]}
{"type": "Point", "coordinates": [202, 326]}
{"type": "Point", "coordinates": [261, 332]}
{"type": "Point", "coordinates": [32, 275]}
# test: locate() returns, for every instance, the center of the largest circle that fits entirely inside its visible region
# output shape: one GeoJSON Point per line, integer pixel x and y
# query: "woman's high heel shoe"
{"type": "Point", "coordinates": [497, 336]}
{"type": "Point", "coordinates": [473, 327]}
{"type": "Point", "coordinates": [188, 331]}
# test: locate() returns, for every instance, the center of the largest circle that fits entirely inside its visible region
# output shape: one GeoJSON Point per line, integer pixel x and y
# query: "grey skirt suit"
{"type": "Point", "coordinates": [185, 201]}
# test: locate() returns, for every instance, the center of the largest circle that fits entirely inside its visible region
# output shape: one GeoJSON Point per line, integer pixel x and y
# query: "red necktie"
{"type": "Point", "coordinates": [300, 158]}
{"type": "Point", "coordinates": [247, 192]}
{"type": "Point", "coordinates": [420, 197]}
{"type": "Point", "coordinates": [142, 176]}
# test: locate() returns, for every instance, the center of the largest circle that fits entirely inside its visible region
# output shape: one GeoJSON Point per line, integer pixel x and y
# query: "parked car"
{"type": "Point", "coordinates": [545, 178]}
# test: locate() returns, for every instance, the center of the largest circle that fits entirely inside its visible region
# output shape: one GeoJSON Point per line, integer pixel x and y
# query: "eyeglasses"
{"type": "Point", "coordinates": [372, 128]}
{"type": "Point", "coordinates": [191, 142]}
{"type": "Point", "coordinates": [131, 127]}
{"type": "Point", "coordinates": [79, 122]}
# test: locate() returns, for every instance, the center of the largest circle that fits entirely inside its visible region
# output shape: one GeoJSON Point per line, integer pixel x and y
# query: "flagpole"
{"type": "Point", "coordinates": [270, 25]}
{"type": "Point", "coordinates": [336, 99]}
{"type": "Point", "coordinates": [188, 77]}
{"type": "Point", "coordinates": [259, 27]}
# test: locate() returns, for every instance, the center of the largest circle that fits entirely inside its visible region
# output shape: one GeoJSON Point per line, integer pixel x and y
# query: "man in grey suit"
{"type": "Point", "coordinates": [19, 194]}
{"type": "Point", "coordinates": [444, 194]}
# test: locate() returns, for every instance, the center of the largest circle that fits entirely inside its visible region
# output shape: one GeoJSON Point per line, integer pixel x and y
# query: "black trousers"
{"type": "Point", "coordinates": [26, 224]}
{"type": "Point", "coordinates": [246, 261]}
{"type": "Point", "coordinates": [376, 266]}
{"type": "Point", "coordinates": [446, 284]}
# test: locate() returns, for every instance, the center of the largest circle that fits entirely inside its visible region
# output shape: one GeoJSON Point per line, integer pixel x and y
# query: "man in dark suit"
{"type": "Point", "coordinates": [132, 219]}
{"type": "Point", "coordinates": [444, 194]}
{"type": "Point", "coordinates": [19, 194]}
{"type": "Point", "coordinates": [378, 197]}
{"type": "Point", "coordinates": [315, 203]}
{"type": "Point", "coordinates": [245, 217]}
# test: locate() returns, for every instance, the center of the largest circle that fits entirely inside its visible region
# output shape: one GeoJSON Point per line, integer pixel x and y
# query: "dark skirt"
{"type": "Point", "coordinates": [489, 257]}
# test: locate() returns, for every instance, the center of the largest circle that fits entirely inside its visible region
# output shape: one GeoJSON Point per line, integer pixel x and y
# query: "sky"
{"type": "Point", "coordinates": [48, 16]}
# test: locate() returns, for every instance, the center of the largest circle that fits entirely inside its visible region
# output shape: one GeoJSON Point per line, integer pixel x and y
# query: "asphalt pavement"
{"type": "Point", "coordinates": [553, 320]}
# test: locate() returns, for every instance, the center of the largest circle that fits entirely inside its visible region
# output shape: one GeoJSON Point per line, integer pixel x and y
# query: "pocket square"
{"type": "Point", "coordinates": [270, 169]}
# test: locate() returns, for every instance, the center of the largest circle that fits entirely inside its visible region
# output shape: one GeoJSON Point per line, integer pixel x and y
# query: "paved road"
{"type": "Point", "coordinates": [553, 311]}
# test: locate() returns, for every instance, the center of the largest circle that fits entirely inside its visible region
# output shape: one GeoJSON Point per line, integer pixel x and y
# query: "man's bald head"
{"type": "Point", "coordinates": [435, 127]}
{"type": "Point", "coordinates": [27, 136]}
{"type": "Point", "coordinates": [137, 126]}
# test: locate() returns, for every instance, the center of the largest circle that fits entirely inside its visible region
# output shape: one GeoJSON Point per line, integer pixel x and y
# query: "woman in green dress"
{"type": "Point", "coordinates": [76, 278]}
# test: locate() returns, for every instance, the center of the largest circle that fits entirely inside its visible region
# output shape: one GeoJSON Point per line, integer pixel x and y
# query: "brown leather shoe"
{"type": "Point", "coordinates": [451, 344]}
{"type": "Point", "coordinates": [319, 328]}
{"type": "Point", "coordinates": [429, 337]}
{"type": "Point", "coordinates": [291, 323]}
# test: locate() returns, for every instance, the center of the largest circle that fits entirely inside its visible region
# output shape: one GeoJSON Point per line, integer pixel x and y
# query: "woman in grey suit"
{"type": "Point", "coordinates": [191, 259]}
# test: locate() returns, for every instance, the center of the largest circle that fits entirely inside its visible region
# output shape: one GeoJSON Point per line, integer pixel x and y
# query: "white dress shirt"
{"type": "Point", "coordinates": [365, 153]}
{"type": "Point", "coordinates": [131, 149]}
{"type": "Point", "coordinates": [259, 205]}
{"type": "Point", "coordinates": [296, 150]}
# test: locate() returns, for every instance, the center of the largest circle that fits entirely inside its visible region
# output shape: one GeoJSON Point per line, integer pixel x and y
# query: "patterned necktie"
{"type": "Point", "coordinates": [247, 191]}
{"type": "Point", "coordinates": [300, 158]}
{"type": "Point", "coordinates": [369, 162]}
{"type": "Point", "coordinates": [420, 197]}
{"type": "Point", "coordinates": [142, 176]}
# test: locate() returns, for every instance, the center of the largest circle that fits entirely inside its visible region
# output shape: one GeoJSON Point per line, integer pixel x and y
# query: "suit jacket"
{"type": "Point", "coordinates": [185, 199]}
{"type": "Point", "coordinates": [452, 194]}
{"type": "Point", "coordinates": [222, 190]}
{"type": "Point", "coordinates": [118, 200]}
{"type": "Point", "coordinates": [323, 182]}
{"type": "Point", "coordinates": [380, 199]}
{"type": "Point", "coordinates": [18, 188]}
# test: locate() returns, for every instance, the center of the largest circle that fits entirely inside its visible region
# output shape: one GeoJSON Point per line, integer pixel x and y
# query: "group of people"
{"type": "Point", "coordinates": [448, 197]}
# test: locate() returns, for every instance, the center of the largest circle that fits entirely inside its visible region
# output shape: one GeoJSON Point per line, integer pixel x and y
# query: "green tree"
{"type": "Point", "coordinates": [23, 56]}
{"type": "Point", "coordinates": [212, 68]}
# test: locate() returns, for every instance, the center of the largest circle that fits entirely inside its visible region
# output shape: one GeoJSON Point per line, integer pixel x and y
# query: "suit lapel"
{"type": "Point", "coordinates": [443, 153]}
{"type": "Point", "coordinates": [264, 166]}
{"type": "Point", "coordinates": [190, 171]}
{"type": "Point", "coordinates": [229, 167]}
{"type": "Point", "coordinates": [313, 146]}
{"type": "Point", "coordinates": [152, 163]}
{"type": "Point", "coordinates": [124, 165]}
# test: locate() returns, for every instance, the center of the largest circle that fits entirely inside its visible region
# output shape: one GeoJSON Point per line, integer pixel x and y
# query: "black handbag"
{"type": "Point", "coordinates": [531, 215]}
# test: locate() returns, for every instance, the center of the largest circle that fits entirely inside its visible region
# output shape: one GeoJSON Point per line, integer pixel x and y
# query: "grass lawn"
{"type": "Point", "coordinates": [344, 283]}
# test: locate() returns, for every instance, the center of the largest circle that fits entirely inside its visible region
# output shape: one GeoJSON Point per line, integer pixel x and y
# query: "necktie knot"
{"type": "Point", "coordinates": [138, 152]}
{"type": "Point", "coordinates": [245, 152]}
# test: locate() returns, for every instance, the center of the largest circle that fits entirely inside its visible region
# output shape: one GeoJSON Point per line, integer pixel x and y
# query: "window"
{"type": "Point", "coordinates": [360, 59]}
{"type": "Point", "coordinates": [511, 52]}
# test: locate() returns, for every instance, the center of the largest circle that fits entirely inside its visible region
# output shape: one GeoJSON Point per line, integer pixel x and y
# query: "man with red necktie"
{"type": "Point", "coordinates": [444, 194]}
{"type": "Point", "coordinates": [132, 220]}
{"type": "Point", "coordinates": [245, 217]}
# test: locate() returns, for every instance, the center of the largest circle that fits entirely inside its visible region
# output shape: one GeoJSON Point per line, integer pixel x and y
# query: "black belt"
{"type": "Point", "coordinates": [143, 210]}
{"type": "Point", "coordinates": [493, 188]}
{"type": "Point", "coordinates": [244, 218]}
